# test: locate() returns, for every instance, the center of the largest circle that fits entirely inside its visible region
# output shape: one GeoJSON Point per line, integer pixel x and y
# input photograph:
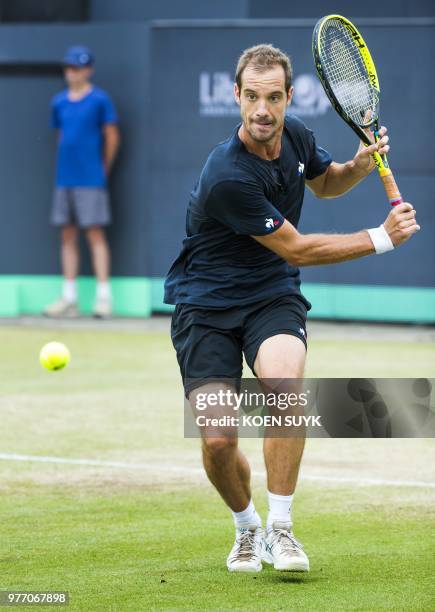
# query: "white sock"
{"type": "Point", "coordinates": [246, 517]}
{"type": "Point", "coordinates": [69, 290]}
{"type": "Point", "coordinates": [103, 291]}
{"type": "Point", "coordinates": [279, 508]}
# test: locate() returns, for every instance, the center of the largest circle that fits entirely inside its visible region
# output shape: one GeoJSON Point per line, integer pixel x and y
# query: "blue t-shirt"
{"type": "Point", "coordinates": [80, 148]}
{"type": "Point", "coordinates": [240, 195]}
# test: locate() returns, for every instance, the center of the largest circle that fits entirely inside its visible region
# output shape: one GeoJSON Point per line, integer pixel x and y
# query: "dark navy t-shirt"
{"type": "Point", "coordinates": [240, 195]}
{"type": "Point", "coordinates": [80, 148]}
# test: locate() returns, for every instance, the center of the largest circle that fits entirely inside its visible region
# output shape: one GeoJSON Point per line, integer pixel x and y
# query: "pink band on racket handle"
{"type": "Point", "coordinates": [391, 188]}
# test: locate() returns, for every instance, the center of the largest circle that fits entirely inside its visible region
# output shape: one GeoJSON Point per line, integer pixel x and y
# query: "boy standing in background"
{"type": "Point", "coordinates": [88, 140]}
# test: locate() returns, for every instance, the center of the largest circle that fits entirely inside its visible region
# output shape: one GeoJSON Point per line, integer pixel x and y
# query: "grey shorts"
{"type": "Point", "coordinates": [82, 206]}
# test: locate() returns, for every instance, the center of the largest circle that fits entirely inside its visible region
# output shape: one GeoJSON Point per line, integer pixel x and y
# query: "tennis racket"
{"type": "Point", "coordinates": [348, 75]}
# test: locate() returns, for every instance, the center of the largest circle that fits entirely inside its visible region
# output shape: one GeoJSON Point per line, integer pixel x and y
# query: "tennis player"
{"type": "Point", "coordinates": [236, 284]}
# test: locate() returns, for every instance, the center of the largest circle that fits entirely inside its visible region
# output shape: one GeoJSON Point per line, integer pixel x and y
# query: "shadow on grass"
{"type": "Point", "coordinates": [270, 575]}
{"type": "Point", "coordinates": [273, 575]}
{"type": "Point", "coordinates": [294, 578]}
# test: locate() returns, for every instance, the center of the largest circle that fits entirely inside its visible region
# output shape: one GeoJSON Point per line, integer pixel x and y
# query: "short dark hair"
{"type": "Point", "coordinates": [262, 58]}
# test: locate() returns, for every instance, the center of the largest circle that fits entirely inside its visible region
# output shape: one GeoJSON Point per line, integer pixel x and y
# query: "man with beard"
{"type": "Point", "coordinates": [236, 284]}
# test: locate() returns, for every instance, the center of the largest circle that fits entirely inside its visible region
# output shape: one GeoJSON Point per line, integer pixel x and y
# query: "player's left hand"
{"type": "Point", "coordinates": [363, 159]}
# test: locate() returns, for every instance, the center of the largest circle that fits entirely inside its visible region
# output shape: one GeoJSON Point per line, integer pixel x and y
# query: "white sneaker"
{"type": "Point", "coordinates": [61, 309]}
{"type": "Point", "coordinates": [283, 551]}
{"type": "Point", "coordinates": [102, 309]}
{"type": "Point", "coordinates": [245, 555]}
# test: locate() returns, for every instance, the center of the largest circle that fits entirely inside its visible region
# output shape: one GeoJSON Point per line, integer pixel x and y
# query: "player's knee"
{"type": "Point", "coordinates": [69, 233]}
{"type": "Point", "coordinates": [217, 446]}
{"type": "Point", "coordinates": [95, 235]}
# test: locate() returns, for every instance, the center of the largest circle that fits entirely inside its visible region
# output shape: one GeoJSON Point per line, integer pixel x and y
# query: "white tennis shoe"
{"type": "Point", "coordinates": [61, 309]}
{"type": "Point", "coordinates": [102, 309]}
{"type": "Point", "coordinates": [282, 550]}
{"type": "Point", "coordinates": [245, 555]}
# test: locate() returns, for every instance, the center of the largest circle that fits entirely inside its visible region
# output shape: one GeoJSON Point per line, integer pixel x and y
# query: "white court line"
{"type": "Point", "coordinates": [155, 468]}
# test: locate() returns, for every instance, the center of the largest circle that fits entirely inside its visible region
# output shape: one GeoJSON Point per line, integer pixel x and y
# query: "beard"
{"type": "Point", "coordinates": [262, 132]}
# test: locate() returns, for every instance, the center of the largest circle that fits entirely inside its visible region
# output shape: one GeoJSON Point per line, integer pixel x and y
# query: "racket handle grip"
{"type": "Point", "coordinates": [393, 193]}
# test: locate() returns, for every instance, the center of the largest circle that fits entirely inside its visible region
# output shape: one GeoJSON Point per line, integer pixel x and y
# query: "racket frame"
{"type": "Point", "coordinates": [380, 161]}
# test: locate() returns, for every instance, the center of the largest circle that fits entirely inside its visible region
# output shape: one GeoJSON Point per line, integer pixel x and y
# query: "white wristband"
{"type": "Point", "coordinates": [381, 240]}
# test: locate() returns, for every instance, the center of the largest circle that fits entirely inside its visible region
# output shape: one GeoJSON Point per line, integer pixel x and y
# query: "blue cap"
{"type": "Point", "coordinates": [78, 56]}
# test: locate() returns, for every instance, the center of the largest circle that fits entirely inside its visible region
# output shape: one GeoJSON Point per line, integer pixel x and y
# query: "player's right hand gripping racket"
{"type": "Point", "coordinates": [348, 75]}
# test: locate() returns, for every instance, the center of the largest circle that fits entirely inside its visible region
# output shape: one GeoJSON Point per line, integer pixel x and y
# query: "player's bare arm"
{"type": "Point", "coordinates": [316, 249]}
{"type": "Point", "coordinates": [111, 145]}
{"type": "Point", "coordinates": [341, 178]}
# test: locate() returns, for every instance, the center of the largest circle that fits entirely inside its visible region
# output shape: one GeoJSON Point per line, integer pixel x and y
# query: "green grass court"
{"type": "Point", "coordinates": [156, 536]}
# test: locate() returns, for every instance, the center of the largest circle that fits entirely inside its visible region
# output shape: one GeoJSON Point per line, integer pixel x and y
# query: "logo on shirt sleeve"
{"type": "Point", "coordinates": [271, 223]}
{"type": "Point", "coordinates": [301, 168]}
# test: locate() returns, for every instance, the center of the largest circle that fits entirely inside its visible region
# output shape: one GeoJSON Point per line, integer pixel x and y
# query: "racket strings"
{"type": "Point", "coordinates": [347, 74]}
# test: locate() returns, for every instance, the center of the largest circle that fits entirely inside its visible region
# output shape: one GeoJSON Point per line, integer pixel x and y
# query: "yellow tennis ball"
{"type": "Point", "coordinates": [54, 356]}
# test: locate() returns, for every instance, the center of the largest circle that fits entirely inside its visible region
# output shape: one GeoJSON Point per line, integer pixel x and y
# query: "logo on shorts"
{"type": "Point", "coordinates": [271, 223]}
{"type": "Point", "coordinates": [302, 332]}
{"type": "Point", "coordinates": [301, 168]}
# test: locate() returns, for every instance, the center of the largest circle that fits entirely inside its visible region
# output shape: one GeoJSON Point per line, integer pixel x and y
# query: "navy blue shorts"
{"type": "Point", "coordinates": [210, 343]}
